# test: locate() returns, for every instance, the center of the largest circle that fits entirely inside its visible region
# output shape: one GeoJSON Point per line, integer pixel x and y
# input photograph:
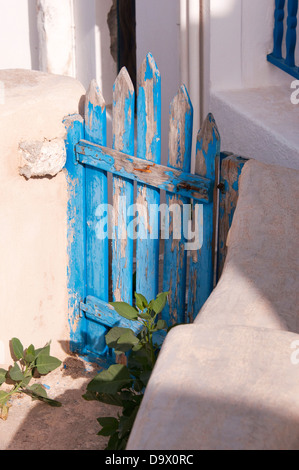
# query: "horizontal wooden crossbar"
{"type": "Point", "coordinates": [103, 313]}
{"type": "Point", "coordinates": [144, 171]}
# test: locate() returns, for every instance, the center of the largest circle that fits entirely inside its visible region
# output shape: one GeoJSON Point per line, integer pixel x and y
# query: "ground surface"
{"type": "Point", "coordinates": [33, 425]}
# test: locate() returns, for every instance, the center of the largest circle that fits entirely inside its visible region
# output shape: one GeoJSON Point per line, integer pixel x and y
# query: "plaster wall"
{"type": "Point", "coordinates": [241, 36]}
{"type": "Point", "coordinates": [19, 36]}
{"type": "Point", "coordinates": [33, 214]}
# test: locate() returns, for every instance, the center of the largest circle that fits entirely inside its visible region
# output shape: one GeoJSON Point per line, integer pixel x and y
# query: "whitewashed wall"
{"type": "Point", "coordinates": [249, 97]}
{"type": "Point", "coordinates": [18, 33]}
{"type": "Point", "coordinates": [241, 33]}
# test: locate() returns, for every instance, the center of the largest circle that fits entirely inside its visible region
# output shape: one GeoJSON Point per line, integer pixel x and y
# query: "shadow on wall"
{"type": "Point", "coordinates": [33, 34]}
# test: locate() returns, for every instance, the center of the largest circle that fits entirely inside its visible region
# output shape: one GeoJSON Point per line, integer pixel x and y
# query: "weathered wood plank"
{"type": "Point", "coordinates": [123, 189]}
{"type": "Point", "coordinates": [137, 169]}
{"type": "Point", "coordinates": [96, 197]}
{"type": "Point", "coordinates": [148, 148]}
{"type": "Point", "coordinates": [75, 233]}
{"type": "Point", "coordinates": [230, 171]}
{"type": "Point", "coordinates": [202, 260]}
{"type": "Point", "coordinates": [175, 255]}
{"type": "Point", "coordinates": [105, 314]}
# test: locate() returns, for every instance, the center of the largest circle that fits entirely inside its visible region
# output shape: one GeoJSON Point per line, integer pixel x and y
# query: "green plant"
{"type": "Point", "coordinates": [27, 362]}
{"type": "Point", "coordinates": [123, 385]}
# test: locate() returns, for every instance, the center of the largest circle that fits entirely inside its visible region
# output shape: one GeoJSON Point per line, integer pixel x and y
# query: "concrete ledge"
{"type": "Point", "coordinates": [221, 388]}
{"type": "Point", "coordinates": [259, 123]}
{"type": "Point", "coordinates": [259, 283]}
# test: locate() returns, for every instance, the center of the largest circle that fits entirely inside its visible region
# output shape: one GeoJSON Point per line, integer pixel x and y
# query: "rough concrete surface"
{"type": "Point", "coordinates": [45, 158]}
{"type": "Point", "coordinates": [259, 283]}
{"type": "Point", "coordinates": [221, 388]}
{"type": "Point", "coordinates": [33, 425]}
{"type": "Point", "coordinates": [228, 381]}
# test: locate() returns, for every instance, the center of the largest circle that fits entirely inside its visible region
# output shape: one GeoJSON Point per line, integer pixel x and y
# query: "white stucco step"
{"type": "Point", "coordinates": [259, 123]}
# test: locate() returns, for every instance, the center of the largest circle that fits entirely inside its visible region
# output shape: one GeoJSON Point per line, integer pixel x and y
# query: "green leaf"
{"type": "Point", "coordinates": [17, 348]}
{"type": "Point", "coordinates": [46, 364]}
{"type": "Point", "coordinates": [144, 315]}
{"type": "Point", "coordinates": [141, 301]}
{"type": "Point", "coordinates": [106, 398]}
{"type": "Point", "coordinates": [140, 359]}
{"type": "Point", "coordinates": [161, 325]}
{"type": "Point", "coordinates": [138, 386]}
{"type": "Point", "coordinates": [144, 376]}
{"type": "Point", "coordinates": [114, 442]}
{"type": "Point", "coordinates": [3, 373]}
{"type": "Point", "coordinates": [126, 423]}
{"type": "Point", "coordinates": [125, 310]}
{"type": "Point", "coordinates": [26, 379]}
{"type": "Point", "coordinates": [30, 354]}
{"type": "Point", "coordinates": [109, 426]}
{"type": "Point", "coordinates": [37, 396]}
{"type": "Point", "coordinates": [111, 380]}
{"type": "Point", "coordinates": [127, 341]}
{"type": "Point", "coordinates": [159, 303]}
{"type": "Point", "coordinates": [4, 396]}
{"type": "Point", "coordinates": [45, 350]}
{"type": "Point", "coordinates": [113, 336]}
{"type": "Point", "coordinates": [38, 389]}
{"type": "Point", "coordinates": [15, 373]}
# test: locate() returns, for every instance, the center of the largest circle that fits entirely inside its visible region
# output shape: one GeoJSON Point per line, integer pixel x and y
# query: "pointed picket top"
{"type": "Point", "coordinates": [95, 114]}
{"type": "Point", "coordinates": [207, 139]}
{"type": "Point", "coordinates": [149, 111]}
{"type": "Point", "coordinates": [123, 112]}
{"type": "Point", "coordinates": [180, 130]}
{"type": "Point", "coordinates": [94, 95]}
{"type": "Point", "coordinates": [123, 83]}
{"type": "Point", "coordinates": [148, 70]}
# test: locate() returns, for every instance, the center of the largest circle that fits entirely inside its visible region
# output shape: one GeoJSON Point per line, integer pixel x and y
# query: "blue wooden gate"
{"type": "Point", "coordinates": [134, 224]}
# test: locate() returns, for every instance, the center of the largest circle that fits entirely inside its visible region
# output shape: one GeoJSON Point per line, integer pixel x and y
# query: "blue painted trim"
{"type": "Point", "coordinates": [281, 64]}
{"type": "Point", "coordinates": [148, 148]}
{"type": "Point", "coordinates": [96, 190]}
{"type": "Point", "coordinates": [201, 273]}
{"type": "Point", "coordinates": [174, 180]}
{"type": "Point", "coordinates": [278, 28]}
{"type": "Point", "coordinates": [175, 254]}
{"type": "Point", "coordinates": [75, 234]}
{"type": "Point", "coordinates": [123, 190]}
{"type": "Point", "coordinates": [286, 64]}
{"type": "Point", "coordinates": [106, 315]}
{"type": "Point", "coordinates": [291, 35]}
